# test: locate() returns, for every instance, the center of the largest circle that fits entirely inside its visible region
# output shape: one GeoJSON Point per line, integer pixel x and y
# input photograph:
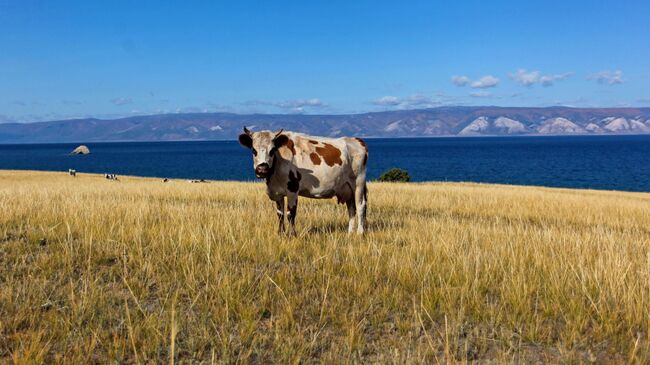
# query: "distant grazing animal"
{"type": "Point", "coordinates": [165, 179]}
{"type": "Point", "coordinates": [72, 172]}
{"type": "Point", "coordinates": [111, 177]}
{"type": "Point", "coordinates": [295, 164]}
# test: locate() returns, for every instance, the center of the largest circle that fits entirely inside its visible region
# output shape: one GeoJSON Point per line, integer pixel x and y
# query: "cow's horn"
{"type": "Point", "coordinates": [278, 133]}
{"type": "Point", "coordinates": [247, 131]}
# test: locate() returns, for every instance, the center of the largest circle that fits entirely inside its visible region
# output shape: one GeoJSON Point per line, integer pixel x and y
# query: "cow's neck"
{"type": "Point", "coordinates": [273, 177]}
{"type": "Point", "coordinates": [269, 176]}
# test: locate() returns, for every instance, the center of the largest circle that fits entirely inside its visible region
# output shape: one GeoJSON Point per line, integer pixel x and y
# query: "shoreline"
{"type": "Point", "coordinates": [370, 182]}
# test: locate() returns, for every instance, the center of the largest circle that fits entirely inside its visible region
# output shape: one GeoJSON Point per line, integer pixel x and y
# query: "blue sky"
{"type": "Point", "coordinates": [68, 59]}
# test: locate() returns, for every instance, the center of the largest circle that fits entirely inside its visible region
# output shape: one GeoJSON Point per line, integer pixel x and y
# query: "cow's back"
{"type": "Point", "coordinates": [326, 165]}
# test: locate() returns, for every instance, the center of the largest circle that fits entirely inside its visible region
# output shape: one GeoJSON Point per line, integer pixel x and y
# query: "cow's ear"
{"type": "Point", "coordinates": [246, 140]}
{"type": "Point", "coordinates": [280, 140]}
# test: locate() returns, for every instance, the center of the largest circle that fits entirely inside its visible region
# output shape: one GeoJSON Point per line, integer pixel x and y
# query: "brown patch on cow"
{"type": "Point", "coordinates": [313, 142]}
{"type": "Point", "coordinates": [315, 159]}
{"type": "Point", "coordinates": [291, 146]}
{"type": "Point", "coordinates": [330, 154]}
{"type": "Point", "coordinates": [294, 181]}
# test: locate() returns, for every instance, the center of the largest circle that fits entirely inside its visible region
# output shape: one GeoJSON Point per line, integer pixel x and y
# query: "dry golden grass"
{"type": "Point", "coordinates": [139, 271]}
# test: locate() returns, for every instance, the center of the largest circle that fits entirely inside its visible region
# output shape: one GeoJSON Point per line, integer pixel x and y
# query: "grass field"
{"type": "Point", "coordinates": [141, 271]}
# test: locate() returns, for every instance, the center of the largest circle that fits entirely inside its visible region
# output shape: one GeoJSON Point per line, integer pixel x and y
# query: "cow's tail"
{"type": "Point", "coordinates": [365, 192]}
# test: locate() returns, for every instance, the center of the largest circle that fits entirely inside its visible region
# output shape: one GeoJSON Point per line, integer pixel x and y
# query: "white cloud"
{"type": "Point", "coordinates": [298, 104]}
{"type": "Point", "coordinates": [608, 77]}
{"type": "Point", "coordinates": [531, 78]}
{"type": "Point", "coordinates": [421, 101]}
{"type": "Point", "coordinates": [387, 101]}
{"type": "Point", "coordinates": [485, 82]}
{"type": "Point", "coordinates": [295, 106]}
{"type": "Point", "coordinates": [460, 80]}
{"type": "Point", "coordinates": [548, 80]}
{"type": "Point", "coordinates": [525, 78]}
{"type": "Point", "coordinates": [121, 101]}
{"type": "Point", "coordinates": [411, 102]}
{"type": "Point", "coordinates": [187, 109]}
{"type": "Point", "coordinates": [481, 94]}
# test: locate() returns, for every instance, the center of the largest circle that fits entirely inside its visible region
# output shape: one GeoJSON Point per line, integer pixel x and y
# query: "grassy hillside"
{"type": "Point", "coordinates": [142, 271]}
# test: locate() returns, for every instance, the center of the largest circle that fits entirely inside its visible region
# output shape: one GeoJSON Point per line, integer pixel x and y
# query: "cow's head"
{"type": "Point", "coordinates": [264, 146]}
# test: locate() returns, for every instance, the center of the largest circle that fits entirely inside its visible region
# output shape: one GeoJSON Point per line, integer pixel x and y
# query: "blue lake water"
{"type": "Point", "coordinates": [596, 162]}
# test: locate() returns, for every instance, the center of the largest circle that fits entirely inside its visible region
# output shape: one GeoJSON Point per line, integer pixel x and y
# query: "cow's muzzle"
{"type": "Point", "coordinates": [262, 170]}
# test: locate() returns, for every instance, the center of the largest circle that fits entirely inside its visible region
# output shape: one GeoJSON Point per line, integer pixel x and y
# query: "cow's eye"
{"type": "Point", "coordinates": [273, 151]}
{"type": "Point", "coordinates": [254, 152]}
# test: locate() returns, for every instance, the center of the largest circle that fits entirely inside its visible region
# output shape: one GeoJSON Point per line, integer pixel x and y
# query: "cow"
{"type": "Point", "coordinates": [295, 164]}
{"type": "Point", "coordinates": [72, 172]}
{"type": "Point", "coordinates": [111, 177]}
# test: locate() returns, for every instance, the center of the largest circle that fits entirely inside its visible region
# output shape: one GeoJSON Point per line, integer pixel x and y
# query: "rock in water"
{"type": "Point", "coordinates": [81, 150]}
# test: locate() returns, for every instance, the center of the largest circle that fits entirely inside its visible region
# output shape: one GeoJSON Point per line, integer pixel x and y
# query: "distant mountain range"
{"type": "Point", "coordinates": [443, 121]}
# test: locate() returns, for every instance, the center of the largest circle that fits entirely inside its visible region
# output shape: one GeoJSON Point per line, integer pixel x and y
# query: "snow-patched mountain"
{"type": "Point", "coordinates": [501, 125]}
{"type": "Point", "coordinates": [480, 125]}
{"type": "Point", "coordinates": [616, 124]}
{"type": "Point", "coordinates": [593, 128]}
{"type": "Point", "coordinates": [623, 125]}
{"type": "Point", "coordinates": [638, 126]}
{"type": "Point", "coordinates": [510, 126]}
{"type": "Point", "coordinates": [559, 126]}
{"type": "Point", "coordinates": [421, 127]}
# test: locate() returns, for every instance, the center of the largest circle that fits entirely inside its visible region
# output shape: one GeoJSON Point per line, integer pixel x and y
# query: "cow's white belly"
{"type": "Point", "coordinates": [323, 194]}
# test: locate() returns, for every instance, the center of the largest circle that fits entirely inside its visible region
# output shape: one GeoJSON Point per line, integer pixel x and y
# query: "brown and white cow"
{"type": "Point", "coordinates": [295, 164]}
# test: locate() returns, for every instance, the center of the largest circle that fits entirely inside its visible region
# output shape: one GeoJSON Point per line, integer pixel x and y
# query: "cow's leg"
{"type": "Point", "coordinates": [292, 202]}
{"type": "Point", "coordinates": [280, 210]}
{"type": "Point", "coordinates": [352, 214]}
{"type": "Point", "coordinates": [361, 200]}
